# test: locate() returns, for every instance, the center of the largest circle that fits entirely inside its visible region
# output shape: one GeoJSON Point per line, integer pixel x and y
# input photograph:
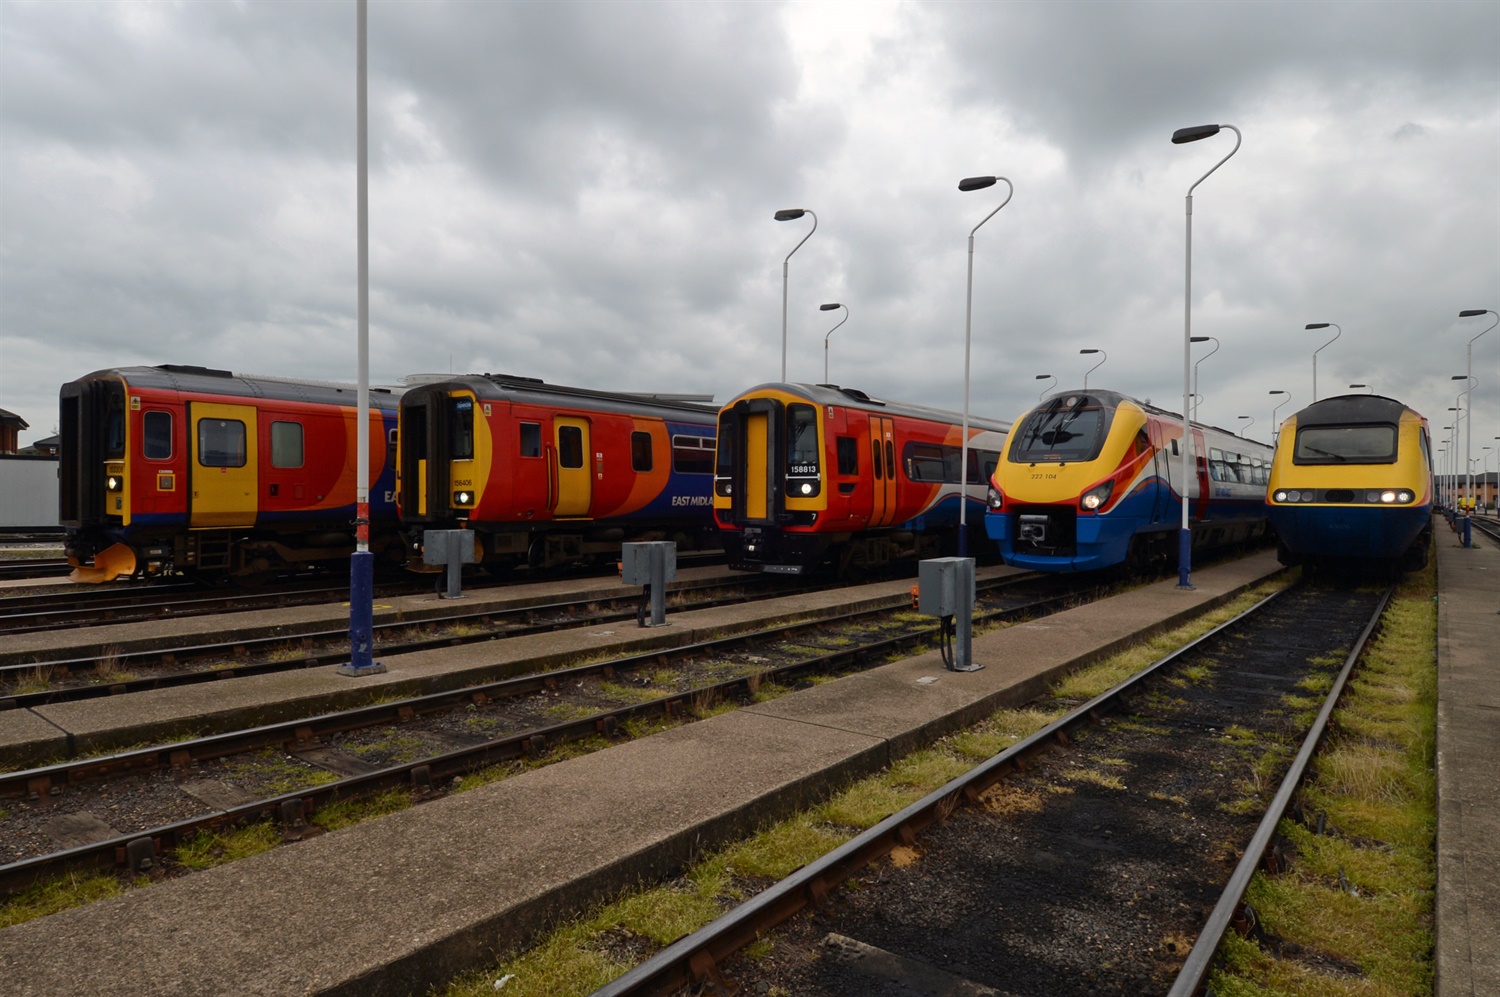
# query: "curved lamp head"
{"type": "Point", "coordinates": [1090, 351]}
{"type": "Point", "coordinates": [977, 183]}
{"type": "Point", "coordinates": [829, 307]}
{"type": "Point", "coordinates": [1194, 133]}
{"type": "Point", "coordinates": [1471, 312]}
{"type": "Point", "coordinates": [789, 214]}
{"type": "Point", "coordinates": [1198, 339]}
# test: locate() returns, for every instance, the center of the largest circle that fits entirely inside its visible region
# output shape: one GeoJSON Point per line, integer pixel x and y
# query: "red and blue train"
{"type": "Point", "coordinates": [1093, 479]}
{"type": "Point", "coordinates": [819, 477]}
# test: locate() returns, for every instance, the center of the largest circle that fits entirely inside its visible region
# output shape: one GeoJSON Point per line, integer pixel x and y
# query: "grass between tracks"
{"type": "Point", "coordinates": [1354, 916]}
{"type": "Point", "coordinates": [581, 955]}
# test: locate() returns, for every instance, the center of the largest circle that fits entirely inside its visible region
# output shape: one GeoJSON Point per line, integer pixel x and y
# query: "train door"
{"type": "Point", "coordinates": [224, 466]}
{"type": "Point", "coordinates": [880, 442]}
{"type": "Point", "coordinates": [574, 480]}
{"type": "Point", "coordinates": [757, 461]}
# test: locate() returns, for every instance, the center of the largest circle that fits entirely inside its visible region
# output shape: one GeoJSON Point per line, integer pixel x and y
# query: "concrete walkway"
{"type": "Point", "coordinates": [406, 902]}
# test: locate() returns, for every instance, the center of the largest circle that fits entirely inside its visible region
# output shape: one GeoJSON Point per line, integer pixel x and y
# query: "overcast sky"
{"type": "Point", "coordinates": [584, 192]}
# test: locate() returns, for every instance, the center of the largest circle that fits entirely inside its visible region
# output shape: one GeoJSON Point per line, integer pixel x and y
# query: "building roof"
{"type": "Point", "coordinates": [11, 417]}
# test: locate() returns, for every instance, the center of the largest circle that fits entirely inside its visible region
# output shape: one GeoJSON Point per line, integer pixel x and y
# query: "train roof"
{"type": "Point", "coordinates": [513, 387]}
{"type": "Point", "coordinates": [213, 381]}
{"type": "Point", "coordinates": [833, 394]}
{"type": "Point", "coordinates": [1342, 410]}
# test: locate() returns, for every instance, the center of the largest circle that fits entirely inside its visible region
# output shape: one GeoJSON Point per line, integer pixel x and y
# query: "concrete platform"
{"type": "Point", "coordinates": [403, 903]}
{"type": "Point", "coordinates": [1468, 750]}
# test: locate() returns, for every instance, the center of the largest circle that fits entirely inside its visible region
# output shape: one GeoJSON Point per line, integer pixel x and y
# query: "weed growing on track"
{"type": "Point", "coordinates": [59, 893]}
{"type": "Point", "coordinates": [207, 849]}
{"type": "Point", "coordinates": [1354, 916]}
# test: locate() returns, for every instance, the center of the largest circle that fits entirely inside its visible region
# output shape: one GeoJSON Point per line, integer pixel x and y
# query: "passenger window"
{"type": "Point", "coordinates": [692, 455]}
{"type": "Point", "coordinates": [531, 439]}
{"type": "Point", "coordinates": [221, 443]}
{"type": "Point", "coordinates": [569, 446]}
{"type": "Point", "coordinates": [157, 444]}
{"type": "Point", "coordinates": [286, 444]}
{"type": "Point", "coordinates": [640, 451]}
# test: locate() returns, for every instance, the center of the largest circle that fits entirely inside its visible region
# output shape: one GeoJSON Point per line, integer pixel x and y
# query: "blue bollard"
{"type": "Point", "coordinates": [361, 617]}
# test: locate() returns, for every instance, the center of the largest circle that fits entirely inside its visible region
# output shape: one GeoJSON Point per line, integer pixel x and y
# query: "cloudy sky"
{"type": "Point", "coordinates": [584, 192]}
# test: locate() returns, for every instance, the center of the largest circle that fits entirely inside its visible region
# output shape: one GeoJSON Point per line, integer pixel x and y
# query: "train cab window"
{"type": "Point", "coordinates": [1142, 443]}
{"type": "Point", "coordinates": [693, 454]}
{"type": "Point", "coordinates": [724, 460]}
{"type": "Point", "coordinates": [801, 440]}
{"type": "Point", "coordinates": [569, 446]}
{"type": "Point", "coordinates": [286, 444]}
{"type": "Point", "coordinates": [848, 454]}
{"type": "Point", "coordinates": [1371, 444]}
{"type": "Point", "coordinates": [114, 433]}
{"type": "Point", "coordinates": [640, 451]}
{"type": "Point", "coordinates": [221, 443]}
{"type": "Point", "coordinates": [157, 444]}
{"type": "Point", "coordinates": [461, 429]}
{"type": "Point", "coordinates": [1069, 428]}
{"type": "Point", "coordinates": [531, 439]}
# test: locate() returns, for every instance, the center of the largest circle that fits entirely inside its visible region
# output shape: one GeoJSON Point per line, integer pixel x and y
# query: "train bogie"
{"type": "Point", "coordinates": [1093, 479]}
{"type": "Point", "coordinates": [1351, 486]}
{"type": "Point", "coordinates": [178, 469]}
{"type": "Point", "coordinates": [548, 475]}
{"type": "Point", "coordinates": [817, 476]}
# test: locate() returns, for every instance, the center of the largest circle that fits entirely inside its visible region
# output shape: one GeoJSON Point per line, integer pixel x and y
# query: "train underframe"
{"type": "Point", "coordinates": [501, 550]}
{"type": "Point", "coordinates": [845, 555]}
{"type": "Point", "coordinates": [237, 555]}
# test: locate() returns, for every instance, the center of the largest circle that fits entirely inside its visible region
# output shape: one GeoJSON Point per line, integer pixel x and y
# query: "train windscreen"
{"type": "Point", "coordinates": [1345, 445]}
{"type": "Point", "coordinates": [1068, 428]}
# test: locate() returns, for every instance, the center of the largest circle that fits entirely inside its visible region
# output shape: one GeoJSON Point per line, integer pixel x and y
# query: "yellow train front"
{"type": "Point", "coordinates": [1093, 479]}
{"type": "Point", "coordinates": [814, 476]}
{"type": "Point", "coordinates": [1352, 484]}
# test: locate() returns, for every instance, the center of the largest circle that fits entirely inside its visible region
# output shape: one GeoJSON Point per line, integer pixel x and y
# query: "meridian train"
{"type": "Point", "coordinates": [218, 475]}
{"type": "Point", "coordinates": [815, 476]}
{"type": "Point", "coordinates": [1092, 479]}
{"type": "Point", "coordinates": [1351, 485]}
{"type": "Point", "coordinates": [546, 475]}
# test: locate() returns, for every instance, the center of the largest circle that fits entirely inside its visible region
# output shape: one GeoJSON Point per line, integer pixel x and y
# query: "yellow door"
{"type": "Point", "coordinates": [574, 478]}
{"type": "Point", "coordinates": [756, 501]}
{"type": "Point", "coordinates": [224, 465]}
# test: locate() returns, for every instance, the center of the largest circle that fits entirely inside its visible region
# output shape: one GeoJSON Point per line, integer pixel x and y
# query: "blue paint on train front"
{"type": "Point", "coordinates": [1349, 531]}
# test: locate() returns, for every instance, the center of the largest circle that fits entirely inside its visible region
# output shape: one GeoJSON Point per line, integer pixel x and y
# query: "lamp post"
{"type": "Point", "coordinates": [1042, 377]}
{"type": "Point", "coordinates": [967, 184]}
{"type": "Point", "coordinates": [828, 308]}
{"type": "Point", "coordinates": [787, 215]}
{"type": "Point", "coordinates": [1485, 467]}
{"type": "Point", "coordinates": [1368, 389]}
{"type": "Point", "coordinates": [1442, 492]}
{"type": "Point", "coordinates": [1247, 425]}
{"type": "Point", "coordinates": [1200, 339]}
{"type": "Point", "coordinates": [1093, 368]}
{"type": "Point", "coordinates": [1185, 537]}
{"type": "Point", "coordinates": [1468, 405]}
{"type": "Point", "coordinates": [1469, 370]}
{"type": "Point", "coordinates": [1337, 332]}
{"type": "Point", "coordinates": [1276, 426]}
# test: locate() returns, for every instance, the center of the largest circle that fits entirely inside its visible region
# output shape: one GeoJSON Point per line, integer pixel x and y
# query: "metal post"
{"type": "Point", "coordinates": [362, 562]}
{"type": "Point", "coordinates": [786, 215]}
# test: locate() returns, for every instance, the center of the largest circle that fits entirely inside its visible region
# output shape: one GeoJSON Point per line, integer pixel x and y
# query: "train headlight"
{"type": "Point", "coordinates": [1403, 496]}
{"type": "Point", "coordinates": [807, 488]}
{"type": "Point", "coordinates": [994, 499]}
{"type": "Point", "coordinates": [1096, 496]}
{"type": "Point", "coordinates": [114, 483]}
{"type": "Point", "coordinates": [1387, 496]}
{"type": "Point", "coordinates": [463, 498]}
{"type": "Point", "coordinates": [1282, 495]}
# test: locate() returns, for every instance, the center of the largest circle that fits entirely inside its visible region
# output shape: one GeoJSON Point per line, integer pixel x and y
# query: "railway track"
{"type": "Point", "coordinates": [1086, 858]}
{"type": "Point", "coordinates": [424, 743]}
{"type": "Point", "coordinates": [34, 567]}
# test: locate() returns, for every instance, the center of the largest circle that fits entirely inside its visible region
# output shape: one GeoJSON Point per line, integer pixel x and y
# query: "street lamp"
{"type": "Point", "coordinates": [1093, 368]}
{"type": "Point", "coordinates": [967, 184]}
{"type": "Point", "coordinates": [1469, 369]}
{"type": "Point", "coordinates": [1185, 537]}
{"type": "Point", "coordinates": [1043, 377]}
{"type": "Point", "coordinates": [1338, 332]}
{"type": "Point", "coordinates": [787, 215]}
{"type": "Point", "coordinates": [1276, 426]}
{"type": "Point", "coordinates": [1367, 388]}
{"type": "Point", "coordinates": [828, 308]}
{"type": "Point", "coordinates": [1201, 339]}
{"type": "Point", "coordinates": [1247, 425]}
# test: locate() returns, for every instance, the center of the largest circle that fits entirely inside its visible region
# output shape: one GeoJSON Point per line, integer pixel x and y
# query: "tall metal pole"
{"type": "Point", "coordinates": [1338, 332]}
{"type": "Point", "coordinates": [361, 565]}
{"type": "Point", "coordinates": [1185, 536]}
{"type": "Point", "coordinates": [1196, 396]}
{"type": "Point", "coordinates": [1469, 370]}
{"type": "Point", "coordinates": [786, 215]}
{"type": "Point", "coordinates": [828, 308]}
{"type": "Point", "coordinates": [971, 183]}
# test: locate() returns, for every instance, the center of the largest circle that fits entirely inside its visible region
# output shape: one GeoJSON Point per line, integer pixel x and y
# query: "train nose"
{"type": "Point", "coordinates": [1034, 528]}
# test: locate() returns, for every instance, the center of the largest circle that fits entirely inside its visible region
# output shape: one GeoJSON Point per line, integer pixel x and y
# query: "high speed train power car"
{"type": "Point", "coordinates": [817, 476]}
{"type": "Point", "coordinates": [548, 475]}
{"type": "Point", "coordinates": [1093, 479]}
{"type": "Point", "coordinates": [218, 475]}
{"type": "Point", "coordinates": [1352, 484]}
